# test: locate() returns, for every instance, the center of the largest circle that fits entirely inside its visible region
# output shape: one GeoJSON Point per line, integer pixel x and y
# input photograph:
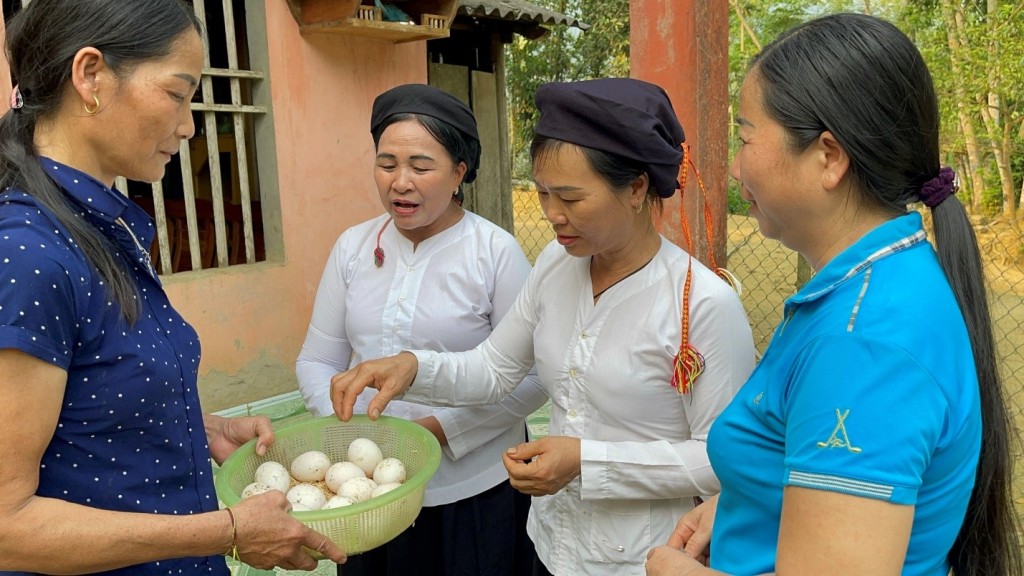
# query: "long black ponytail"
{"type": "Point", "coordinates": [863, 80]}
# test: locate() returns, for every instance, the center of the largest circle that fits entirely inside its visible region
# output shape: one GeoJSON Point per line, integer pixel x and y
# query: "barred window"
{"type": "Point", "coordinates": [207, 208]}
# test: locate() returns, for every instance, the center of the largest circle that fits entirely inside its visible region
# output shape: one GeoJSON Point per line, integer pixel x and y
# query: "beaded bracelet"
{"type": "Point", "coordinates": [234, 546]}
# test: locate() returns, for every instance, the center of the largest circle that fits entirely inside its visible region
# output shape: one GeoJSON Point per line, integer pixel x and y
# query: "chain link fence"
{"type": "Point", "coordinates": [1002, 249]}
{"type": "Point", "coordinates": [768, 272]}
{"type": "Point", "coordinates": [531, 230]}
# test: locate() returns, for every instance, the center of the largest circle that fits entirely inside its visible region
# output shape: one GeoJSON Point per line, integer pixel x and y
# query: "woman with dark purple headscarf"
{"type": "Point", "coordinates": [638, 345]}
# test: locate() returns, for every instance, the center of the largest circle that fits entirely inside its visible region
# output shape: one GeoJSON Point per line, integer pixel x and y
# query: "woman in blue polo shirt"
{"type": "Point", "coordinates": [106, 452]}
{"type": "Point", "coordinates": [856, 445]}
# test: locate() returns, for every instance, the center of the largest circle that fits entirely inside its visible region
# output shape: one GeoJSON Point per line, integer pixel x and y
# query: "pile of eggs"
{"type": "Point", "coordinates": [313, 482]}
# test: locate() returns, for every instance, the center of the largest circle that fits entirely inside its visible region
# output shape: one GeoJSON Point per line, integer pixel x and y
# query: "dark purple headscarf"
{"type": "Point", "coordinates": [625, 117]}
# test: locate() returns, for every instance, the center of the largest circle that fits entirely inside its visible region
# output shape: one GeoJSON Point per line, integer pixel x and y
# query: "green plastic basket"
{"type": "Point", "coordinates": [359, 527]}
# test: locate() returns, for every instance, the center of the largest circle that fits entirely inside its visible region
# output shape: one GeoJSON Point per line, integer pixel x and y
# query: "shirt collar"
{"type": "Point", "coordinates": [894, 236]}
{"type": "Point", "coordinates": [96, 198]}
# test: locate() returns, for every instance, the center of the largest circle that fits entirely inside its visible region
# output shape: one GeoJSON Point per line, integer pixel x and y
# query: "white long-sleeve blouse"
{"type": "Point", "coordinates": [607, 367]}
{"type": "Point", "coordinates": [448, 295]}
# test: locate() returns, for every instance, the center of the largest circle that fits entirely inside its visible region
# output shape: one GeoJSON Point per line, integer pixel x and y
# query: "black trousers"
{"type": "Point", "coordinates": [484, 535]}
{"type": "Point", "coordinates": [538, 568]}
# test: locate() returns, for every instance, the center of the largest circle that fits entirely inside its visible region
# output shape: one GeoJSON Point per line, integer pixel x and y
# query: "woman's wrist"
{"type": "Point", "coordinates": [212, 423]}
{"type": "Point", "coordinates": [416, 365]}
{"type": "Point", "coordinates": [231, 549]}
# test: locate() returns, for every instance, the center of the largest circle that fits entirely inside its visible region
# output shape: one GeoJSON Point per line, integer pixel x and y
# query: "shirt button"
{"type": "Point", "coordinates": [401, 298]}
{"type": "Point", "coordinates": [584, 335]}
{"type": "Point", "coordinates": [572, 373]}
{"type": "Point", "coordinates": [409, 269]}
{"type": "Point", "coordinates": [572, 413]}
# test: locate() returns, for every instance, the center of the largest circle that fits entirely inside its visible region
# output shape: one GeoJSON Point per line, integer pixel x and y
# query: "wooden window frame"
{"type": "Point", "coordinates": [205, 244]}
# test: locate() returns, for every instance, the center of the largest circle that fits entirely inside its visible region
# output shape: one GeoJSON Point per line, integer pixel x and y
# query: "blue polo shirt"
{"type": "Point", "coordinates": [130, 434]}
{"type": "Point", "coordinates": [868, 388]}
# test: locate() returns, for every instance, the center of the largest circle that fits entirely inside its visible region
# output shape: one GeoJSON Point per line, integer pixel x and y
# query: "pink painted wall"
{"type": "Point", "coordinates": [252, 319]}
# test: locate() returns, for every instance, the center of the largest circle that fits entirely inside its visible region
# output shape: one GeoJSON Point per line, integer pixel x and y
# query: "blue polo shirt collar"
{"type": "Point", "coordinates": [95, 197]}
{"type": "Point", "coordinates": [896, 235]}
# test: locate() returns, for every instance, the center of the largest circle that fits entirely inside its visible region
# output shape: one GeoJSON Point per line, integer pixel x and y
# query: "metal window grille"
{"type": "Point", "coordinates": [208, 222]}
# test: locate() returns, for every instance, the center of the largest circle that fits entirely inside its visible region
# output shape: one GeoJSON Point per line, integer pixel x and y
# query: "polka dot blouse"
{"type": "Point", "coordinates": [130, 434]}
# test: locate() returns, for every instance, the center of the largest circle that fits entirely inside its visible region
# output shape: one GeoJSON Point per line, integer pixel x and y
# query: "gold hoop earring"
{"type": "Point", "coordinates": [640, 207]}
{"type": "Point", "coordinates": [92, 111]}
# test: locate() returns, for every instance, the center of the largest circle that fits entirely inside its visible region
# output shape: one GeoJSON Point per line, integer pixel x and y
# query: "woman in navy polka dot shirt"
{"type": "Point", "coordinates": [106, 452]}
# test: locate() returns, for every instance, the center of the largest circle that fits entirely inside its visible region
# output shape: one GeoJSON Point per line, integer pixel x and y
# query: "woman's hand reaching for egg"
{"type": "Point", "coordinates": [391, 376]}
{"type": "Point", "coordinates": [544, 466]}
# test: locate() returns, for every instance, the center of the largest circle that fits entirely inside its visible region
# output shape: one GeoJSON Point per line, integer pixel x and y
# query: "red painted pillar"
{"type": "Point", "coordinates": [5, 70]}
{"type": "Point", "coordinates": [683, 46]}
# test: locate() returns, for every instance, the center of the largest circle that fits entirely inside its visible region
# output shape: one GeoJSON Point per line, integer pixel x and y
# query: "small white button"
{"type": "Point", "coordinates": [572, 413]}
{"type": "Point", "coordinates": [584, 335]}
{"type": "Point", "coordinates": [572, 373]}
{"type": "Point", "coordinates": [401, 298]}
{"type": "Point", "coordinates": [410, 269]}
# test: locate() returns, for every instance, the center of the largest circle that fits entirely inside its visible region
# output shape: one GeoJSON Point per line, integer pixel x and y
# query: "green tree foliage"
{"type": "Point", "coordinates": [974, 49]}
{"type": "Point", "coordinates": [979, 79]}
{"type": "Point", "coordinates": [565, 54]}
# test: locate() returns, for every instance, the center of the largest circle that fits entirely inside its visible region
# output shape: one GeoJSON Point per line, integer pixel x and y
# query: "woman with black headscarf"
{"type": "Point", "coordinates": [638, 345]}
{"type": "Point", "coordinates": [429, 274]}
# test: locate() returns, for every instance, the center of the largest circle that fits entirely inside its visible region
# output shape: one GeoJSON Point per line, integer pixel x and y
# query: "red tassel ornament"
{"type": "Point", "coordinates": [378, 252]}
{"type": "Point", "coordinates": [688, 363]}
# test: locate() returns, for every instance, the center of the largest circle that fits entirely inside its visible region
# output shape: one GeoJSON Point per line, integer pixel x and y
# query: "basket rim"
{"type": "Point", "coordinates": [417, 481]}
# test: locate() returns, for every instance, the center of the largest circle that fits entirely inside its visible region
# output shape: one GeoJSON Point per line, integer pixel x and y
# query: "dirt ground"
{"type": "Point", "coordinates": [767, 271]}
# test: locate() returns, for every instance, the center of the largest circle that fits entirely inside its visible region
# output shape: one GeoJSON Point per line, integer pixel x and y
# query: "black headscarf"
{"type": "Point", "coordinates": [428, 101]}
{"type": "Point", "coordinates": [625, 117]}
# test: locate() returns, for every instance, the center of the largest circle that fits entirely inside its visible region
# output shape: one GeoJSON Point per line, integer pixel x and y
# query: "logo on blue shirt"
{"type": "Point", "coordinates": [840, 438]}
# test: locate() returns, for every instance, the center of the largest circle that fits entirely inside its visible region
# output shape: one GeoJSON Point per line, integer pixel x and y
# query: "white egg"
{"type": "Point", "coordinates": [254, 489]}
{"type": "Point", "coordinates": [273, 474]}
{"type": "Point", "coordinates": [310, 466]}
{"type": "Point", "coordinates": [339, 472]}
{"type": "Point", "coordinates": [306, 495]}
{"type": "Point", "coordinates": [384, 489]}
{"type": "Point", "coordinates": [365, 453]}
{"type": "Point", "coordinates": [389, 470]}
{"type": "Point", "coordinates": [338, 502]}
{"type": "Point", "coordinates": [358, 489]}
